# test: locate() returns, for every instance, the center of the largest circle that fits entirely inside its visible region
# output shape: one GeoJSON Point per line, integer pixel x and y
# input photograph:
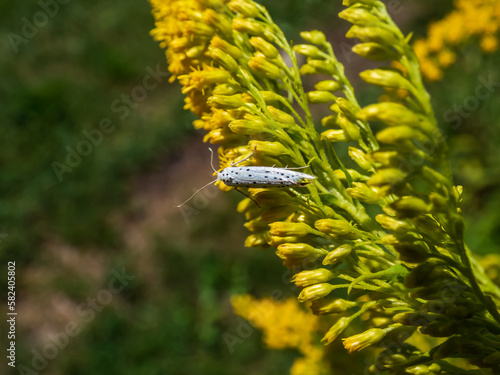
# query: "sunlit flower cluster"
{"type": "Point", "coordinates": [285, 324]}
{"type": "Point", "coordinates": [377, 236]}
{"type": "Point", "coordinates": [479, 19]}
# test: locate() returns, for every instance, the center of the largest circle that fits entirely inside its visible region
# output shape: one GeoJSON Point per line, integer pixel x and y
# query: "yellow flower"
{"type": "Point", "coordinates": [357, 342]}
{"type": "Point", "coordinates": [284, 324]}
{"type": "Point", "coordinates": [468, 19]}
{"type": "Point", "coordinates": [489, 43]}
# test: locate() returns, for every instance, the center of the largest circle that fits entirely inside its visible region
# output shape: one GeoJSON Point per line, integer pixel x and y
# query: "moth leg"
{"type": "Point", "coordinates": [248, 196]}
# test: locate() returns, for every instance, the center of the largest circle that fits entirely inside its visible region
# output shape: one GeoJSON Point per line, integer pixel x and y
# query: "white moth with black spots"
{"type": "Point", "coordinates": [258, 177]}
{"type": "Point", "coordinates": [263, 177]}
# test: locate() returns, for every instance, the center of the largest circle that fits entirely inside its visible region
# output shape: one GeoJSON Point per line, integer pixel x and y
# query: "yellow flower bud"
{"type": "Point", "coordinates": [298, 251]}
{"type": "Point", "coordinates": [257, 239]}
{"type": "Point", "coordinates": [306, 278]}
{"type": "Point", "coordinates": [331, 306]}
{"type": "Point", "coordinates": [249, 208]}
{"type": "Point", "coordinates": [245, 205]}
{"type": "Point", "coordinates": [360, 158]}
{"type": "Point", "coordinates": [390, 113]}
{"type": "Point", "coordinates": [336, 330]}
{"type": "Point", "coordinates": [307, 69]}
{"type": "Point", "coordinates": [200, 79]}
{"type": "Point", "coordinates": [335, 227]}
{"type": "Point", "coordinates": [198, 28]}
{"type": "Point", "coordinates": [223, 58]}
{"type": "Point", "coordinates": [276, 241]}
{"type": "Point", "coordinates": [334, 135]}
{"type": "Point", "coordinates": [434, 177]}
{"type": "Point", "coordinates": [269, 148]}
{"type": "Point", "coordinates": [408, 207]}
{"type": "Point", "coordinates": [320, 97]}
{"type": "Point", "coordinates": [281, 116]}
{"type": "Point", "coordinates": [363, 193]}
{"type": "Point", "coordinates": [385, 78]}
{"type": "Point", "coordinates": [375, 51]}
{"type": "Point", "coordinates": [314, 292]}
{"type": "Point", "coordinates": [347, 108]}
{"type": "Point", "coordinates": [322, 66]}
{"type": "Point", "coordinates": [387, 176]}
{"type": "Point", "coordinates": [195, 51]}
{"type": "Point", "coordinates": [255, 225]}
{"type": "Point", "coordinates": [249, 26]}
{"type": "Point", "coordinates": [284, 229]}
{"type": "Point", "coordinates": [329, 121]}
{"type": "Point", "coordinates": [396, 134]}
{"type": "Point", "coordinates": [338, 254]}
{"type": "Point", "coordinates": [260, 64]}
{"type": "Point", "coordinates": [314, 37]}
{"type": "Point", "coordinates": [351, 129]}
{"type": "Point", "coordinates": [227, 47]}
{"type": "Point", "coordinates": [270, 96]}
{"type": "Point", "coordinates": [385, 158]}
{"type": "Point", "coordinates": [221, 135]}
{"type": "Point", "coordinates": [244, 8]}
{"type": "Point", "coordinates": [390, 239]}
{"type": "Point", "coordinates": [264, 47]}
{"type": "Point", "coordinates": [220, 21]}
{"type": "Point", "coordinates": [308, 50]}
{"type": "Point", "coordinates": [393, 224]}
{"type": "Point", "coordinates": [247, 127]}
{"type": "Point", "coordinates": [225, 101]}
{"type": "Point", "coordinates": [372, 34]}
{"type": "Point", "coordinates": [328, 85]}
{"type": "Point", "coordinates": [359, 16]}
{"type": "Point", "coordinates": [358, 342]}
{"type": "Point", "coordinates": [227, 89]}
{"type": "Point", "coordinates": [179, 44]}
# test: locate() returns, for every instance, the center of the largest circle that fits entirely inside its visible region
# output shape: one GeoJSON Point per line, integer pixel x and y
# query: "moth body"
{"type": "Point", "coordinates": [262, 177]}
{"type": "Point", "coordinates": [257, 177]}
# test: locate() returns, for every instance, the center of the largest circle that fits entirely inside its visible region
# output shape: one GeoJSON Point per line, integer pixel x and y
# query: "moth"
{"type": "Point", "coordinates": [257, 177]}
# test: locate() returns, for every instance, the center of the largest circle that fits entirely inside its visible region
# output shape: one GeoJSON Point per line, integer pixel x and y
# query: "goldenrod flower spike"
{"type": "Point", "coordinates": [241, 78]}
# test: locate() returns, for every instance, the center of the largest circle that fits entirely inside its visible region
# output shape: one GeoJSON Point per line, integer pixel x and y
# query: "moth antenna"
{"type": "Point", "coordinates": [196, 192]}
{"type": "Point", "coordinates": [212, 161]}
{"type": "Point", "coordinates": [248, 157]}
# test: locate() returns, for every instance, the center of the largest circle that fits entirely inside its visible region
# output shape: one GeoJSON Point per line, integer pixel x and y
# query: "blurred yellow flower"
{"type": "Point", "coordinates": [469, 19]}
{"type": "Point", "coordinates": [285, 324]}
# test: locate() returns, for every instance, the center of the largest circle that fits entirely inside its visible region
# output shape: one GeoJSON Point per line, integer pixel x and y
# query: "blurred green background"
{"type": "Point", "coordinates": [113, 213]}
